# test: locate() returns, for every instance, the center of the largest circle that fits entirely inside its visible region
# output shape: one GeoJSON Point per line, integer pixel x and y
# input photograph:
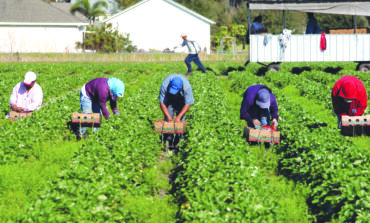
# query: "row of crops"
{"type": "Point", "coordinates": [314, 175]}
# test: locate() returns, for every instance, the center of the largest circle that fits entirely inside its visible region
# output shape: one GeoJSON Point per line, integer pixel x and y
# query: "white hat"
{"type": "Point", "coordinates": [183, 34]}
{"type": "Point", "coordinates": [29, 78]}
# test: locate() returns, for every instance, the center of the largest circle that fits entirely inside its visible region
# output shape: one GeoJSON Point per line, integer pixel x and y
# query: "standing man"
{"type": "Point", "coordinates": [257, 26]}
{"type": "Point", "coordinates": [27, 95]}
{"type": "Point", "coordinates": [96, 93]}
{"type": "Point", "coordinates": [312, 26]}
{"type": "Point", "coordinates": [349, 97]}
{"type": "Point", "coordinates": [258, 105]}
{"type": "Point", "coordinates": [175, 96]}
{"type": "Point", "coordinates": [194, 49]}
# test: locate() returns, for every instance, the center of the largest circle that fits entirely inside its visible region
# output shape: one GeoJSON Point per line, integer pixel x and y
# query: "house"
{"type": "Point", "coordinates": [35, 26]}
{"type": "Point", "coordinates": [154, 25]}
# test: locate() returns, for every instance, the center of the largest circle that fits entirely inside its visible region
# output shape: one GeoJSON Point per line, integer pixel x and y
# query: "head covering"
{"type": "Point", "coordinates": [29, 78]}
{"type": "Point", "coordinates": [116, 86]}
{"type": "Point", "coordinates": [348, 90]}
{"type": "Point", "coordinates": [175, 85]}
{"type": "Point", "coordinates": [263, 98]}
{"type": "Point", "coordinates": [183, 34]}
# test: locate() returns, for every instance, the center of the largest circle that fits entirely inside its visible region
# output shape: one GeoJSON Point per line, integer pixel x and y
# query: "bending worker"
{"type": "Point", "coordinates": [96, 93]}
{"type": "Point", "coordinates": [349, 97]}
{"type": "Point", "coordinates": [175, 96]}
{"type": "Point", "coordinates": [258, 105]}
{"type": "Point", "coordinates": [27, 95]}
{"type": "Point", "coordinates": [194, 50]}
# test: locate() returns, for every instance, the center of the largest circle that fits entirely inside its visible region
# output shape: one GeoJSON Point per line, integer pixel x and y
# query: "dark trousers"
{"type": "Point", "coordinates": [173, 109]}
{"type": "Point", "coordinates": [195, 58]}
{"type": "Point", "coordinates": [258, 116]}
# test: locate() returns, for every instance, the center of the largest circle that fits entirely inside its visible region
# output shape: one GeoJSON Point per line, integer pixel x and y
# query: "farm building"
{"type": "Point", "coordinates": [34, 26]}
{"type": "Point", "coordinates": [158, 24]}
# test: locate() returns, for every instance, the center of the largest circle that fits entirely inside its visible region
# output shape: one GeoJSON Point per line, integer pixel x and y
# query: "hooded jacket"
{"type": "Point", "coordinates": [349, 87]}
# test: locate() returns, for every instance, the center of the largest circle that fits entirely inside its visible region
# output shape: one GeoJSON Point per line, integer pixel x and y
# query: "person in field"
{"type": "Point", "coordinates": [27, 95]}
{"type": "Point", "coordinates": [257, 26]}
{"type": "Point", "coordinates": [258, 105]}
{"type": "Point", "coordinates": [96, 93]}
{"type": "Point", "coordinates": [312, 25]}
{"type": "Point", "coordinates": [349, 97]}
{"type": "Point", "coordinates": [194, 50]}
{"type": "Point", "coordinates": [175, 97]}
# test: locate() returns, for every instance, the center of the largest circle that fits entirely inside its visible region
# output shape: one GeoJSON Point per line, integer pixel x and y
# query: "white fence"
{"type": "Point", "coordinates": [306, 48]}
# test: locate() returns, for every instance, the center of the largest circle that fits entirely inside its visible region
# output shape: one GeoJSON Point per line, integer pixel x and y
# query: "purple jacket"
{"type": "Point", "coordinates": [98, 91]}
{"type": "Point", "coordinates": [249, 103]}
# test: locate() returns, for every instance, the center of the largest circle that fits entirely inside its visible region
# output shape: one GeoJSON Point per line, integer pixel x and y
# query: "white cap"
{"type": "Point", "coordinates": [183, 34]}
{"type": "Point", "coordinates": [29, 78]}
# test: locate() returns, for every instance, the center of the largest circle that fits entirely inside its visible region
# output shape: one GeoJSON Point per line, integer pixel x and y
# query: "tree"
{"type": "Point", "coordinates": [105, 39]}
{"type": "Point", "coordinates": [88, 10]}
{"type": "Point", "coordinates": [327, 22]}
{"type": "Point", "coordinates": [122, 4]}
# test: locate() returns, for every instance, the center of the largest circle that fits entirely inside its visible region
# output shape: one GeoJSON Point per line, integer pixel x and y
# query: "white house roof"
{"type": "Point", "coordinates": [177, 5]}
{"type": "Point", "coordinates": [35, 12]}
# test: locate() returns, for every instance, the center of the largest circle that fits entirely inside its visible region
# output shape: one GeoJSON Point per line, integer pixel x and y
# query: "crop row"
{"type": "Point", "coordinates": [218, 178]}
{"type": "Point", "coordinates": [334, 169]}
{"type": "Point", "coordinates": [111, 169]}
{"type": "Point", "coordinates": [49, 123]}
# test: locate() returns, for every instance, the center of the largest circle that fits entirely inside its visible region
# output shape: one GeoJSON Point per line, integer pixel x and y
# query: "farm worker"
{"type": "Point", "coordinates": [27, 95]}
{"type": "Point", "coordinates": [175, 96]}
{"type": "Point", "coordinates": [312, 26]}
{"type": "Point", "coordinates": [257, 26]}
{"type": "Point", "coordinates": [194, 49]}
{"type": "Point", "coordinates": [258, 105]}
{"type": "Point", "coordinates": [96, 93]}
{"type": "Point", "coordinates": [349, 97]}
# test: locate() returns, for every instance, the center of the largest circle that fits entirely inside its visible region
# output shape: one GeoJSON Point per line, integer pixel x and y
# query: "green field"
{"type": "Point", "coordinates": [123, 173]}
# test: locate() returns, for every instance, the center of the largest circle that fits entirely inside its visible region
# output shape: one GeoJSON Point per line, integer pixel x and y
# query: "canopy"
{"type": "Point", "coordinates": [341, 7]}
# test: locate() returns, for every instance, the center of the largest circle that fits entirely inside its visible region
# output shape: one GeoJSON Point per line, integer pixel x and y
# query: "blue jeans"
{"type": "Point", "coordinates": [195, 58]}
{"type": "Point", "coordinates": [88, 106]}
{"type": "Point", "coordinates": [172, 109]}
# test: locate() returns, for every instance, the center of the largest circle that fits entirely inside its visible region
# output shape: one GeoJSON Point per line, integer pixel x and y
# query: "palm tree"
{"type": "Point", "coordinates": [88, 10]}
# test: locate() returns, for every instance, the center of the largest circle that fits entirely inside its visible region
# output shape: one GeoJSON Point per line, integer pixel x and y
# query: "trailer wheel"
{"type": "Point", "coordinates": [365, 67]}
{"type": "Point", "coordinates": [274, 67]}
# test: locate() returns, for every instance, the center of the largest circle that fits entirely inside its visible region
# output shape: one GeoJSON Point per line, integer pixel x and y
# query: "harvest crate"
{"type": "Point", "coordinates": [355, 120]}
{"type": "Point", "coordinates": [87, 120]}
{"type": "Point", "coordinates": [170, 127]}
{"type": "Point", "coordinates": [15, 116]}
{"type": "Point", "coordinates": [355, 125]}
{"type": "Point", "coordinates": [261, 135]}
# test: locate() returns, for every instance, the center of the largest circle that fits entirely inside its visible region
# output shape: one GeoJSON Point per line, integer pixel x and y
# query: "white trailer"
{"type": "Point", "coordinates": [306, 48]}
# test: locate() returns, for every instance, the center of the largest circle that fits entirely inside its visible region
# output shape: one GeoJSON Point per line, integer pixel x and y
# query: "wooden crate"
{"type": "Point", "coordinates": [15, 116]}
{"type": "Point", "coordinates": [355, 120]}
{"type": "Point", "coordinates": [87, 120]}
{"type": "Point", "coordinates": [355, 125]}
{"type": "Point", "coordinates": [170, 127]}
{"type": "Point", "coordinates": [261, 135]}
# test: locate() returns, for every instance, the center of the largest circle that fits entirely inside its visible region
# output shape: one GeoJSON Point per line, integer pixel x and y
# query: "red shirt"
{"type": "Point", "coordinates": [349, 87]}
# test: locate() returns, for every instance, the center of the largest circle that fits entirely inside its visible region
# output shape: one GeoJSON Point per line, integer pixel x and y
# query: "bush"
{"type": "Point", "coordinates": [104, 39]}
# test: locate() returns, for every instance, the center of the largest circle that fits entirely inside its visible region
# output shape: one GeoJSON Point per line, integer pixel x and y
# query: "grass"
{"type": "Point", "coordinates": [21, 182]}
{"type": "Point", "coordinates": [127, 57]}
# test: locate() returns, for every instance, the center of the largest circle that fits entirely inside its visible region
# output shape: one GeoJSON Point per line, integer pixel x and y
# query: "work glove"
{"type": "Point", "coordinates": [354, 111]}
{"type": "Point", "coordinates": [264, 121]}
{"type": "Point", "coordinates": [256, 122]}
